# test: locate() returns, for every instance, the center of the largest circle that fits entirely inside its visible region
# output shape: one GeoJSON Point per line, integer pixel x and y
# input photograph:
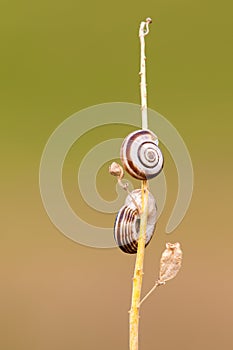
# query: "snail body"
{"type": "Point", "coordinates": [127, 223]}
{"type": "Point", "coordinates": [141, 156]}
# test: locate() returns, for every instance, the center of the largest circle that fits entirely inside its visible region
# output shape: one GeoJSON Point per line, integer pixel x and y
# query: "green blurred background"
{"type": "Point", "coordinates": [58, 58]}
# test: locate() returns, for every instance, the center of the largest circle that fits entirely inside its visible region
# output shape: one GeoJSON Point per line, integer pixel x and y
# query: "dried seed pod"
{"type": "Point", "coordinates": [170, 262]}
{"type": "Point", "coordinates": [141, 156]}
{"type": "Point", "coordinates": [116, 170]}
{"type": "Point", "coordinates": [127, 223]}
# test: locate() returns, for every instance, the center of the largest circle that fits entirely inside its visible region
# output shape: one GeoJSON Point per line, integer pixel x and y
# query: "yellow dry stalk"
{"type": "Point", "coordinates": [138, 272]}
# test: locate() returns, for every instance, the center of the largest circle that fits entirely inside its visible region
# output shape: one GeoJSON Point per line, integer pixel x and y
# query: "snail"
{"type": "Point", "coordinates": [141, 156]}
{"type": "Point", "coordinates": [127, 223]}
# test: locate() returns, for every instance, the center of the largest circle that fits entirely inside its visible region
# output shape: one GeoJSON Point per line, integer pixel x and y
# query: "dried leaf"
{"type": "Point", "coordinates": [116, 170]}
{"type": "Point", "coordinates": [170, 262]}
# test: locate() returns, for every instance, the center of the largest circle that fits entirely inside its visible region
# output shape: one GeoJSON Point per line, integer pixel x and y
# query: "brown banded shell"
{"type": "Point", "coordinates": [140, 155]}
{"type": "Point", "coordinates": [127, 223]}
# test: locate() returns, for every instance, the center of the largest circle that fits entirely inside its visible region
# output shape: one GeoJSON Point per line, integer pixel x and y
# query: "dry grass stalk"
{"type": "Point", "coordinates": [138, 273]}
{"type": "Point", "coordinates": [138, 270]}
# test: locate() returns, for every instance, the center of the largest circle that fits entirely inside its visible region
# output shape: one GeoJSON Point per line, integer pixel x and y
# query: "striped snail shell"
{"type": "Point", "coordinates": [127, 223]}
{"type": "Point", "coordinates": [141, 156]}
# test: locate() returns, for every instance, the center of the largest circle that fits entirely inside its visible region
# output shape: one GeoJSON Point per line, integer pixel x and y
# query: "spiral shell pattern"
{"type": "Point", "coordinates": [141, 156]}
{"type": "Point", "coordinates": [127, 223]}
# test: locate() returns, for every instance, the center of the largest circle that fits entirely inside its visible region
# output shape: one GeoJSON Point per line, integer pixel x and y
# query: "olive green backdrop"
{"type": "Point", "coordinates": [58, 57]}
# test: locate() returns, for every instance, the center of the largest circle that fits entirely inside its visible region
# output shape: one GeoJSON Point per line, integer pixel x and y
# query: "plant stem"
{"type": "Point", "coordinates": [142, 33]}
{"type": "Point", "coordinates": [157, 284]}
{"type": "Point", "coordinates": [138, 270]}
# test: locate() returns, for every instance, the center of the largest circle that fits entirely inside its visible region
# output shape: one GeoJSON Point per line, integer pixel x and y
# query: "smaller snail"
{"type": "Point", "coordinates": [141, 156]}
{"type": "Point", "coordinates": [127, 223]}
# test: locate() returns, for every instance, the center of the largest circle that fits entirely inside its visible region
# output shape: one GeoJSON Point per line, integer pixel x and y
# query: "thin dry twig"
{"type": "Point", "coordinates": [138, 270]}
{"type": "Point", "coordinates": [157, 284]}
{"type": "Point", "coordinates": [143, 31]}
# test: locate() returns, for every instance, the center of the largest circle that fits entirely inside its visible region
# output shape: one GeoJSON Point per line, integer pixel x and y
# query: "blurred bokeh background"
{"type": "Point", "coordinates": [58, 57]}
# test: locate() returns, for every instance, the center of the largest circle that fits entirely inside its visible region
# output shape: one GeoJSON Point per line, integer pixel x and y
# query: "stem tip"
{"type": "Point", "coordinates": [149, 20]}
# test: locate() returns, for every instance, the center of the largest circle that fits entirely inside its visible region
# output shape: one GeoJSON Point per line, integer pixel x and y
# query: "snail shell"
{"type": "Point", "coordinates": [127, 223]}
{"type": "Point", "coordinates": [141, 156]}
